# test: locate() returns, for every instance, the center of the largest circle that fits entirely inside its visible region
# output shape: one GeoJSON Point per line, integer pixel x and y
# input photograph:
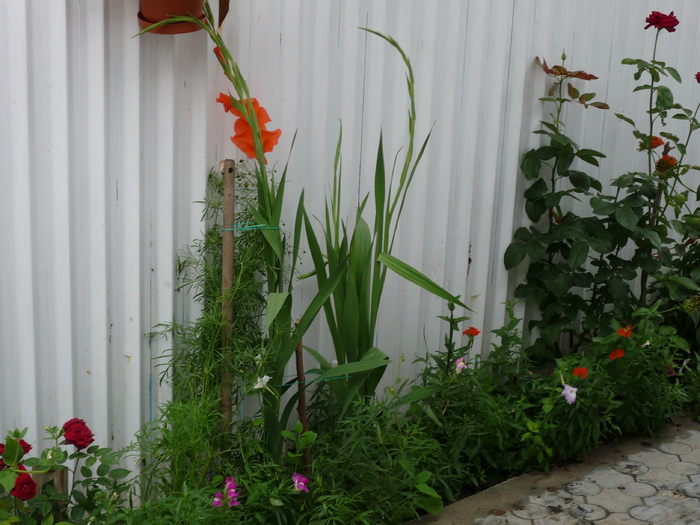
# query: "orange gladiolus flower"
{"type": "Point", "coordinates": [243, 137]}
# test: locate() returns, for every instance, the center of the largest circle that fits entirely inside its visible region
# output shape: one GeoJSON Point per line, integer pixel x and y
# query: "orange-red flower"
{"type": "Point", "coordinates": [581, 372]}
{"type": "Point", "coordinates": [219, 55]}
{"type": "Point", "coordinates": [617, 354]}
{"type": "Point", "coordinates": [625, 332]}
{"type": "Point", "coordinates": [665, 163]}
{"type": "Point", "coordinates": [243, 137]}
{"type": "Point", "coordinates": [471, 331]}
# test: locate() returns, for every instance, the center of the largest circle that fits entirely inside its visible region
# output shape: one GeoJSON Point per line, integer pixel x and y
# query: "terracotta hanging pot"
{"type": "Point", "coordinates": [153, 11]}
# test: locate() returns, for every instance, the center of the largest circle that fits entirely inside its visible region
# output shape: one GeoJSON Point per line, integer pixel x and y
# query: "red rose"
{"type": "Point", "coordinates": [26, 447]}
{"type": "Point", "coordinates": [77, 433]}
{"type": "Point", "coordinates": [697, 77]}
{"type": "Point", "coordinates": [25, 487]}
{"type": "Point", "coordinates": [662, 21]}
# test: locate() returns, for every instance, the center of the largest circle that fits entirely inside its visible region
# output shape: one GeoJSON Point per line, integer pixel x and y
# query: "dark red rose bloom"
{"type": "Point", "coordinates": [26, 447]}
{"type": "Point", "coordinates": [662, 21]}
{"type": "Point", "coordinates": [25, 487]}
{"type": "Point", "coordinates": [2, 451]}
{"type": "Point", "coordinates": [697, 77]}
{"type": "Point", "coordinates": [77, 433]}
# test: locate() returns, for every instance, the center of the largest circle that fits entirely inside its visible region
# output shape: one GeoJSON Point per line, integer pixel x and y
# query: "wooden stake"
{"type": "Point", "coordinates": [228, 171]}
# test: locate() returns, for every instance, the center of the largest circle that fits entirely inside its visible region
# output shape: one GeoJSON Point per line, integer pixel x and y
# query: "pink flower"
{"type": "Point", "coordinates": [218, 498]}
{"type": "Point", "coordinates": [300, 482]}
{"type": "Point", "coordinates": [569, 393]}
{"type": "Point", "coordinates": [460, 365]}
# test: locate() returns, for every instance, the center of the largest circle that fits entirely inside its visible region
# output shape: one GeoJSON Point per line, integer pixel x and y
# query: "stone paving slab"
{"type": "Point", "coordinates": [637, 481]}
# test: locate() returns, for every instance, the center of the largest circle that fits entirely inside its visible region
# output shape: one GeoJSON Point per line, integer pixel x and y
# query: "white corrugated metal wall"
{"type": "Point", "coordinates": [107, 140]}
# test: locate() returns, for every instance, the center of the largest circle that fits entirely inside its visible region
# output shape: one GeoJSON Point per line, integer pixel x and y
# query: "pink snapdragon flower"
{"type": "Point", "coordinates": [460, 365]}
{"type": "Point", "coordinates": [300, 482]}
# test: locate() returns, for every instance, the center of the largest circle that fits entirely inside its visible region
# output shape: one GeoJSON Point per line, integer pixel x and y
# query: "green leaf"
{"type": "Point", "coordinates": [7, 479]}
{"type": "Point", "coordinates": [276, 503]}
{"type": "Point", "coordinates": [119, 473]}
{"type": "Point", "coordinates": [580, 179]}
{"type": "Point", "coordinates": [530, 166]}
{"type": "Point", "coordinates": [664, 98]}
{"type": "Point", "coordinates": [688, 283]}
{"type": "Point", "coordinates": [13, 452]}
{"type": "Point", "coordinates": [626, 119]}
{"type": "Point", "coordinates": [618, 289]}
{"type": "Point", "coordinates": [417, 394]}
{"type": "Point", "coordinates": [411, 274]}
{"type": "Point", "coordinates": [626, 217]}
{"type": "Point", "coordinates": [578, 254]}
{"type": "Point", "coordinates": [558, 283]}
{"type": "Point", "coordinates": [603, 207]}
{"type": "Point", "coordinates": [275, 302]}
{"type": "Point", "coordinates": [86, 472]}
{"type": "Point", "coordinates": [431, 505]}
{"type": "Point", "coordinates": [425, 489]}
{"type": "Point", "coordinates": [514, 255]}
{"type": "Point", "coordinates": [538, 189]}
{"type": "Point", "coordinates": [671, 71]}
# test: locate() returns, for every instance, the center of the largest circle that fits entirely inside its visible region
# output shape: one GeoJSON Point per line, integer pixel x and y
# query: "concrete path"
{"type": "Point", "coordinates": [636, 481]}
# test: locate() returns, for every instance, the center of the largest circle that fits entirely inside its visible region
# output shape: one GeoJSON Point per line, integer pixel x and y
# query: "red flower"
{"type": "Point", "coordinates": [649, 143]}
{"type": "Point", "coordinates": [661, 21]}
{"type": "Point", "coordinates": [665, 163]}
{"type": "Point", "coordinates": [25, 486]}
{"type": "Point", "coordinates": [471, 331]}
{"type": "Point", "coordinates": [26, 447]}
{"type": "Point", "coordinates": [219, 55]}
{"type": "Point", "coordinates": [655, 142]}
{"type": "Point", "coordinates": [581, 372]}
{"type": "Point", "coordinates": [243, 137]}
{"type": "Point", "coordinates": [625, 332]}
{"type": "Point", "coordinates": [697, 77]}
{"type": "Point", "coordinates": [617, 354]}
{"type": "Point", "coordinates": [77, 433]}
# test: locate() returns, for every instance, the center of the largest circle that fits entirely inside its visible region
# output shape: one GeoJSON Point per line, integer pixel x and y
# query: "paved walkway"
{"type": "Point", "coordinates": [637, 481]}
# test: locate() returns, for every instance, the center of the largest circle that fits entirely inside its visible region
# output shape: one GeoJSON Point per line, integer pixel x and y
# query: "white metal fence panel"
{"type": "Point", "coordinates": [107, 140]}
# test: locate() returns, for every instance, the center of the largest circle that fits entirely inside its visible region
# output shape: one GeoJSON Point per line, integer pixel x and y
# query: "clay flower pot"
{"type": "Point", "coordinates": [153, 11]}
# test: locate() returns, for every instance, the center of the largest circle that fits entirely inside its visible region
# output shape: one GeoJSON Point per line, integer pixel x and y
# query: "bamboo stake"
{"type": "Point", "coordinates": [228, 172]}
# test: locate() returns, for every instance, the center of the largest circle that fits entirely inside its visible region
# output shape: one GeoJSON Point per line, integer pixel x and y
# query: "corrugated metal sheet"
{"type": "Point", "coordinates": [107, 141]}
